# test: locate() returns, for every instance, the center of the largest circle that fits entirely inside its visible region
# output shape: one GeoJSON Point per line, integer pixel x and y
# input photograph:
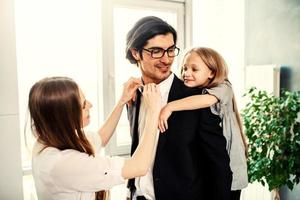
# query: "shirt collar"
{"type": "Point", "coordinates": [165, 85]}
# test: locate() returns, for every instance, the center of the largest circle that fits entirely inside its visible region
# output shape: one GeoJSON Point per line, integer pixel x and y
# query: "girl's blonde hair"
{"type": "Point", "coordinates": [216, 63]}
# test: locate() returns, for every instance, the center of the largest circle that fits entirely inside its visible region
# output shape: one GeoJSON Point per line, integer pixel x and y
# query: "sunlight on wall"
{"type": "Point", "coordinates": [58, 38]}
{"type": "Point", "coordinates": [220, 25]}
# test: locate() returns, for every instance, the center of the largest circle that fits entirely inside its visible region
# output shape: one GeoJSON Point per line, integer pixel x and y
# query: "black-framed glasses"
{"type": "Point", "coordinates": [157, 52]}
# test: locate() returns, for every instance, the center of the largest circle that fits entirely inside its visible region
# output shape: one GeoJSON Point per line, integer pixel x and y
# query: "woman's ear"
{"type": "Point", "coordinates": [135, 54]}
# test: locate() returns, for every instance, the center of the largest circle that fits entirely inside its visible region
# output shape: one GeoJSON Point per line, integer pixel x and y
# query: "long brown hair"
{"type": "Point", "coordinates": [56, 115]}
{"type": "Point", "coordinates": [216, 63]}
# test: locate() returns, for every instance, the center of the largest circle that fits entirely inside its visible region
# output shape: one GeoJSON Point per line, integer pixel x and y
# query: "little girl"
{"type": "Point", "coordinates": [205, 68]}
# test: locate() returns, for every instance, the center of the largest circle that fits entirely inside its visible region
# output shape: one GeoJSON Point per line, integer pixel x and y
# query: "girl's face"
{"type": "Point", "coordinates": [85, 105]}
{"type": "Point", "coordinates": [195, 73]}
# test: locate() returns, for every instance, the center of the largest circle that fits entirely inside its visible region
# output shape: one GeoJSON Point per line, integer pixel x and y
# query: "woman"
{"type": "Point", "coordinates": [66, 163]}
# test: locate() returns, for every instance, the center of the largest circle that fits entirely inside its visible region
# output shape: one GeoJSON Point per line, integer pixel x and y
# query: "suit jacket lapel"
{"type": "Point", "coordinates": [175, 92]}
{"type": "Point", "coordinates": [176, 89]}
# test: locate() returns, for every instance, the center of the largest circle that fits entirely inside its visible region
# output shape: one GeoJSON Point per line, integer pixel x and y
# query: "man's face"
{"type": "Point", "coordinates": [155, 70]}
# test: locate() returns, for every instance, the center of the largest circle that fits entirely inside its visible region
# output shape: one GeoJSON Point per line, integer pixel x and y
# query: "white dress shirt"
{"type": "Point", "coordinates": [70, 174]}
{"type": "Point", "coordinates": [144, 185]}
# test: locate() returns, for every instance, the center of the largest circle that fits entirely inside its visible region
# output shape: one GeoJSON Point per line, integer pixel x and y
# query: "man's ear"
{"type": "Point", "coordinates": [135, 54]}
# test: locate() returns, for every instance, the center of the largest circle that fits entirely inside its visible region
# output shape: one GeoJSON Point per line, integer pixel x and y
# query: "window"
{"type": "Point", "coordinates": [57, 44]}
{"type": "Point", "coordinates": [120, 16]}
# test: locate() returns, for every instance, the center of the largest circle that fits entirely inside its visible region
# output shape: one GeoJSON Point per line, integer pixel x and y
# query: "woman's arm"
{"type": "Point", "coordinates": [139, 163]}
{"type": "Point", "coordinates": [188, 103]}
{"type": "Point", "coordinates": [108, 128]}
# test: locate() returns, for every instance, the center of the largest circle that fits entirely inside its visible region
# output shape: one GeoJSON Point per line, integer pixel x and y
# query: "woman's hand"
{"type": "Point", "coordinates": [129, 90]}
{"type": "Point", "coordinates": [139, 163]}
{"type": "Point", "coordinates": [152, 97]}
{"type": "Point", "coordinates": [165, 113]}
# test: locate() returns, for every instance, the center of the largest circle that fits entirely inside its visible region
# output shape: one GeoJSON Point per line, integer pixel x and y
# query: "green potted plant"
{"type": "Point", "coordinates": [273, 130]}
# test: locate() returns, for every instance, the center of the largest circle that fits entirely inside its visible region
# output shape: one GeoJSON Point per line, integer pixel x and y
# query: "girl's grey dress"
{"type": "Point", "coordinates": [235, 147]}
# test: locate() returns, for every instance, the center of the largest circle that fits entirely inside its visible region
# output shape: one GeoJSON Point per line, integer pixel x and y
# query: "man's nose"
{"type": "Point", "coordinates": [166, 59]}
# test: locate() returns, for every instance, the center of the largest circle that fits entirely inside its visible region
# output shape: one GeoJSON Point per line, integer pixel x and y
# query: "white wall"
{"type": "Point", "coordinates": [57, 38]}
{"type": "Point", "coordinates": [10, 153]}
{"type": "Point", "coordinates": [273, 36]}
{"type": "Point", "coordinates": [220, 24]}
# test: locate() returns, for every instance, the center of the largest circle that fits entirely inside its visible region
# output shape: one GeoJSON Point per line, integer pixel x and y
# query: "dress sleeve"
{"type": "Point", "coordinates": [81, 172]}
{"type": "Point", "coordinates": [95, 140]}
{"type": "Point", "coordinates": [223, 92]}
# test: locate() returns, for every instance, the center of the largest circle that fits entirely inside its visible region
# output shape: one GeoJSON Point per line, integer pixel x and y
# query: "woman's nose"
{"type": "Point", "coordinates": [89, 104]}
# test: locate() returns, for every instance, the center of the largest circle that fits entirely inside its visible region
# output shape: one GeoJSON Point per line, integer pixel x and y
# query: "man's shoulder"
{"type": "Point", "coordinates": [194, 91]}
{"type": "Point", "coordinates": [180, 90]}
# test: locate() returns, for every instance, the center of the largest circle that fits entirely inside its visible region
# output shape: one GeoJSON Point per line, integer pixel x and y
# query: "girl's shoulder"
{"type": "Point", "coordinates": [221, 87]}
{"type": "Point", "coordinates": [225, 85]}
{"type": "Point", "coordinates": [222, 91]}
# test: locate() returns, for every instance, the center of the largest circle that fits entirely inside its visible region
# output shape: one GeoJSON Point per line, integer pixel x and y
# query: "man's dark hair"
{"type": "Point", "coordinates": [143, 30]}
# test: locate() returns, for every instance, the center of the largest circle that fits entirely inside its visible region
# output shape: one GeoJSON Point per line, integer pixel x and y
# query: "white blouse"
{"type": "Point", "coordinates": [70, 174]}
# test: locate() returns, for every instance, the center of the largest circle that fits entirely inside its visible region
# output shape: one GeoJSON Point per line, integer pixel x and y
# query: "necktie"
{"type": "Point", "coordinates": [135, 138]}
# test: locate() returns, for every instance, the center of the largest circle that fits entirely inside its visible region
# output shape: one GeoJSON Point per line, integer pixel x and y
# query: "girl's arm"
{"type": "Point", "coordinates": [192, 103]}
{"type": "Point", "coordinates": [108, 128]}
{"type": "Point", "coordinates": [139, 163]}
{"type": "Point", "coordinates": [188, 103]}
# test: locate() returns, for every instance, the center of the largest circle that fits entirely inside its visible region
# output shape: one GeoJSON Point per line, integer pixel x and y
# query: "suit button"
{"type": "Point", "coordinates": [156, 179]}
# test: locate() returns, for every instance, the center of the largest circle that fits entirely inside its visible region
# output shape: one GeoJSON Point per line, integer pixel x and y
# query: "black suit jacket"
{"type": "Point", "coordinates": [191, 161]}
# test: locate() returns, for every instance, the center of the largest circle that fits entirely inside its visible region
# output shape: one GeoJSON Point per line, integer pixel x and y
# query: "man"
{"type": "Point", "coordinates": [188, 164]}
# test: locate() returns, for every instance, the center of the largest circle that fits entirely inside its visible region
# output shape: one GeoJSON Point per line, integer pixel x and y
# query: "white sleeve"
{"type": "Point", "coordinates": [95, 140]}
{"type": "Point", "coordinates": [81, 172]}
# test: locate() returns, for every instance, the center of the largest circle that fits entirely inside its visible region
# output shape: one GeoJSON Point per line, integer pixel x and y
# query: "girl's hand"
{"type": "Point", "coordinates": [129, 90]}
{"type": "Point", "coordinates": [152, 97]}
{"type": "Point", "coordinates": [165, 113]}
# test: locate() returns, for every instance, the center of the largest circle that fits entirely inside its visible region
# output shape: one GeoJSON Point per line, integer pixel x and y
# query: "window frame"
{"type": "Point", "coordinates": [184, 32]}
